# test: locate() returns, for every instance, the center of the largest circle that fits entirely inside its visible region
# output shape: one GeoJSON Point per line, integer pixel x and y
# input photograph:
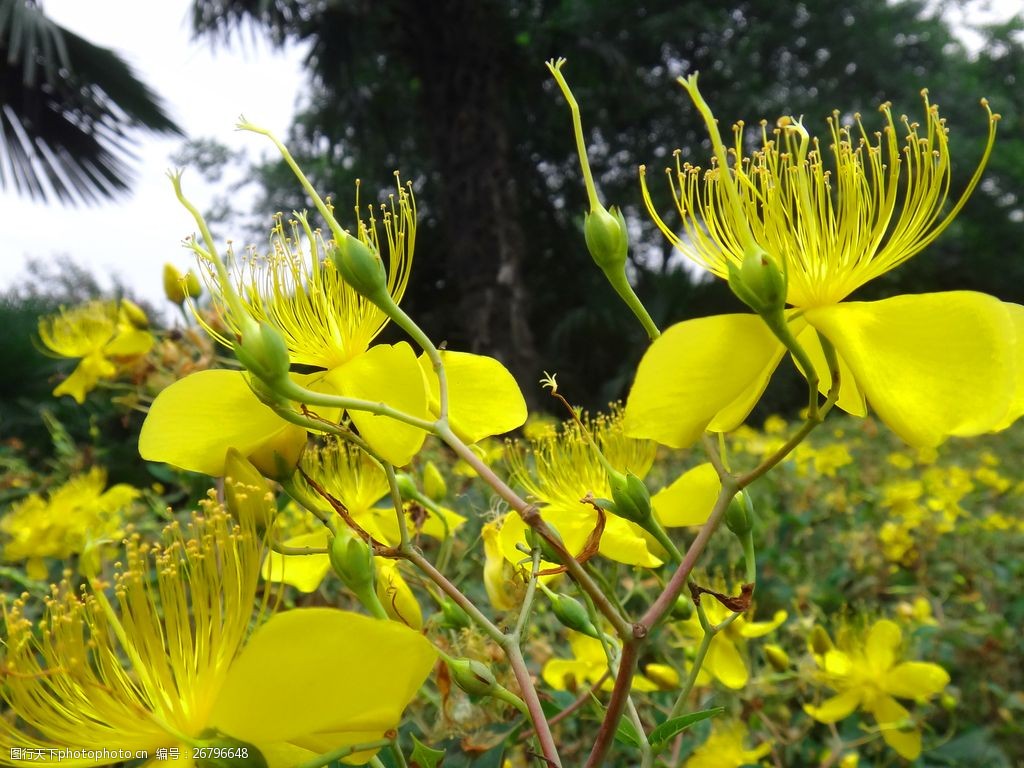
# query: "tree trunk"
{"type": "Point", "coordinates": [457, 48]}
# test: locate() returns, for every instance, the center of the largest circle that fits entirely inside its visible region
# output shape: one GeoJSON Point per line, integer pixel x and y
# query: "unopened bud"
{"type": "Point", "coordinates": [547, 551]}
{"type": "Point", "coordinates": [739, 515]}
{"type": "Point", "coordinates": [948, 701]}
{"type": "Point", "coordinates": [682, 609]}
{"type": "Point", "coordinates": [174, 290]}
{"type": "Point", "coordinates": [360, 266]}
{"type": "Point", "coordinates": [607, 238]}
{"type": "Point", "coordinates": [630, 497]}
{"type": "Point", "coordinates": [821, 643]}
{"type": "Point", "coordinates": [758, 282]}
{"type": "Point", "coordinates": [571, 613]}
{"type": "Point", "coordinates": [777, 657]}
{"type": "Point", "coordinates": [434, 485]}
{"type": "Point", "coordinates": [263, 351]}
{"type": "Point", "coordinates": [352, 560]}
{"type": "Point", "coordinates": [247, 494]}
{"type": "Point", "coordinates": [193, 288]}
{"type": "Point", "coordinates": [472, 677]}
{"type": "Point", "coordinates": [406, 485]}
{"type": "Point", "coordinates": [452, 615]}
{"type": "Point", "coordinates": [134, 314]}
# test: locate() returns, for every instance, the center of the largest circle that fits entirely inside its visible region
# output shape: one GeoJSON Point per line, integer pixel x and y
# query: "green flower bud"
{"type": "Point", "coordinates": [226, 752]}
{"type": "Point", "coordinates": [739, 515]}
{"type": "Point", "coordinates": [547, 552]}
{"type": "Point", "coordinates": [777, 657]}
{"type": "Point", "coordinates": [192, 286]}
{"type": "Point", "coordinates": [571, 613]}
{"type": "Point", "coordinates": [247, 494]}
{"type": "Point", "coordinates": [472, 677]}
{"type": "Point", "coordinates": [681, 609]}
{"type": "Point", "coordinates": [434, 485]}
{"type": "Point", "coordinates": [452, 615]}
{"type": "Point", "coordinates": [632, 500]}
{"type": "Point", "coordinates": [263, 351]}
{"type": "Point", "coordinates": [606, 236]}
{"type": "Point", "coordinates": [361, 267]}
{"type": "Point", "coordinates": [406, 485]}
{"type": "Point", "coordinates": [352, 560]}
{"type": "Point", "coordinates": [948, 702]}
{"type": "Point", "coordinates": [758, 282]}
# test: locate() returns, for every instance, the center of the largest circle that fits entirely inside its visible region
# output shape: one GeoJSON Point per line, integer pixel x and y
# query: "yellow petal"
{"type": "Point", "coordinates": [699, 371]}
{"type": "Point", "coordinates": [932, 365]}
{"type": "Point", "coordinates": [883, 640]}
{"type": "Point", "coordinates": [851, 399]}
{"type": "Point", "coordinates": [1016, 410]}
{"type": "Point", "coordinates": [726, 664]}
{"type": "Point", "coordinates": [562, 674]}
{"type": "Point", "coordinates": [320, 670]}
{"type": "Point", "coordinates": [129, 342]}
{"type": "Point", "coordinates": [304, 572]}
{"type": "Point", "coordinates": [837, 708]}
{"type": "Point", "coordinates": [396, 596]}
{"type": "Point", "coordinates": [762, 628]}
{"type": "Point", "coordinates": [624, 542]}
{"type": "Point", "coordinates": [897, 728]}
{"type": "Point", "coordinates": [483, 398]}
{"type": "Point", "coordinates": [84, 378]}
{"type": "Point", "coordinates": [386, 373]}
{"type": "Point", "coordinates": [193, 422]}
{"type": "Point", "coordinates": [690, 497]}
{"type": "Point", "coordinates": [915, 680]}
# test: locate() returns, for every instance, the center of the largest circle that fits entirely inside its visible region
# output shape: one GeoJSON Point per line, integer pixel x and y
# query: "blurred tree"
{"type": "Point", "coordinates": [67, 110]}
{"type": "Point", "coordinates": [455, 92]}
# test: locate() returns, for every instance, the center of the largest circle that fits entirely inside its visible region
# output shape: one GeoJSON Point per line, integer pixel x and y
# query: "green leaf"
{"type": "Point", "coordinates": [423, 756]}
{"type": "Point", "coordinates": [626, 733]}
{"type": "Point", "coordinates": [659, 736]}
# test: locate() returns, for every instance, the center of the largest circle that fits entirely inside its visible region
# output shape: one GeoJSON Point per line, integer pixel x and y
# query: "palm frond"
{"type": "Point", "coordinates": [69, 110]}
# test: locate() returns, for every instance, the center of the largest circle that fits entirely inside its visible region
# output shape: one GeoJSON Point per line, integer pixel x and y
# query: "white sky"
{"type": "Point", "coordinates": [204, 91]}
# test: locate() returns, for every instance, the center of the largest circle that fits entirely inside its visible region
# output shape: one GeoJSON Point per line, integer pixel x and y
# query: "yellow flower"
{"type": "Point", "coordinates": [725, 661]}
{"type": "Point", "coordinates": [357, 481]}
{"type": "Point", "coordinates": [931, 366]}
{"type": "Point", "coordinates": [102, 334]}
{"type": "Point", "coordinates": [176, 658]}
{"type": "Point", "coordinates": [866, 675]}
{"type": "Point", "coordinates": [565, 468]}
{"type": "Point", "coordinates": [725, 748]}
{"type": "Point", "coordinates": [504, 589]}
{"type": "Point", "coordinates": [590, 664]}
{"type": "Point", "coordinates": [72, 517]}
{"type": "Point", "coordinates": [326, 325]}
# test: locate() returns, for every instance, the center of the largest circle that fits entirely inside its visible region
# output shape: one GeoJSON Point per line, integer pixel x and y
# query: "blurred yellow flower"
{"type": "Point", "coordinates": [103, 334]}
{"type": "Point", "coordinates": [561, 468]}
{"type": "Point", "coordinates": [864, 671]}
{"type": "Point", "coordinates": [590, 664]}
{"type": "Point", "coordinates": [930, 366]}
{"type": "Point", "coordinates": [64, 522]}
{"type": "Point", "coordinates": [725, 660]}
{"type": "Point", "coordinates": [357, 481]}
{"type": "Point", "coordinates": [725, 748]}
{"type": "Point", "coordinates": [171, 661]}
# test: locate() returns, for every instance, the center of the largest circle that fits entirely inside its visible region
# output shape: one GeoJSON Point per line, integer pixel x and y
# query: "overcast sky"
{"type": "Point", "coordinates": [204, 91]}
